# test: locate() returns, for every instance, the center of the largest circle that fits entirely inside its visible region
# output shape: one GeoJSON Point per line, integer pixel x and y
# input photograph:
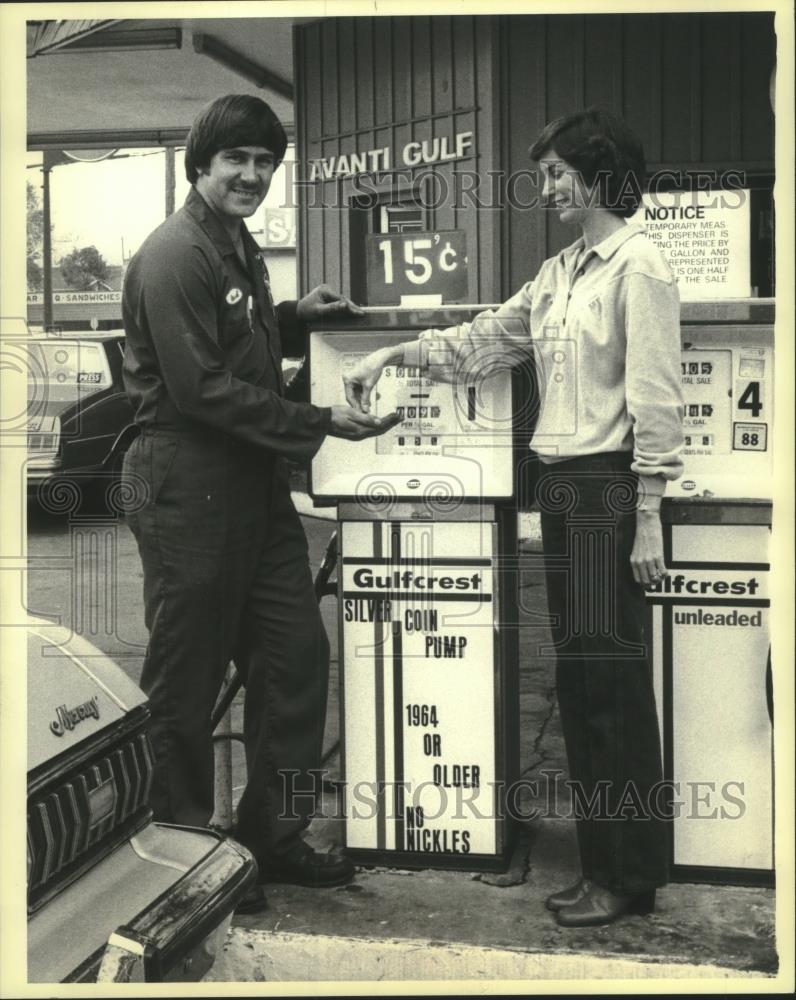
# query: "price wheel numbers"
{"type": "Point", "coordinates": [751, 399]}
{"type": "Point", "coordinates": [420, 255]}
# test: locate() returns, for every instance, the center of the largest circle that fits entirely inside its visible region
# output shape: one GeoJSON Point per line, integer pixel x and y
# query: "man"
{"type": "Point", "coordinates": [226, 574]}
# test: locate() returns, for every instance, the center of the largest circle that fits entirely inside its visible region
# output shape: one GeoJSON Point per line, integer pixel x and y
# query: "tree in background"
{"type": "Point", "coordinates": [83, 268]}
{"type": "Point", "coordinates": [35, 233]}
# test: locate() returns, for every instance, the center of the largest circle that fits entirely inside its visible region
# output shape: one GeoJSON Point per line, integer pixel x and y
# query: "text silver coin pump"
{"type": "Point", "coordinates": [427, 603]}
{"type": "Point", "coordinates": [711, 647]}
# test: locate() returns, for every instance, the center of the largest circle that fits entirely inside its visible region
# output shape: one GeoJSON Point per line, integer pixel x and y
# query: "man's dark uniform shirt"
{"type": "Point", "coordinates": [205, 342]}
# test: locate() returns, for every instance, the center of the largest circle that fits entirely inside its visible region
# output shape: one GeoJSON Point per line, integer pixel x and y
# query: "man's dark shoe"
{"type": "Point", "coordinates": [601, 906]}
{"type": "Point", "coordinates": [301, 865]}
{"type": "Point", "coordinates": [254, 901]}
{"type": "Point", "coordinates": [567, 897]}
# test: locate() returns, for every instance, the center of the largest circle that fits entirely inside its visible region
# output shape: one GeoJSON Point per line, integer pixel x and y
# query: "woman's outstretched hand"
{"type": "Point", "coordinates": [359, 382]}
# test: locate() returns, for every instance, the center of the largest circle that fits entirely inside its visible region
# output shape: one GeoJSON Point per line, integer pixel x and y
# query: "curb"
{"type": "Point", "coordinates": [271, 956]}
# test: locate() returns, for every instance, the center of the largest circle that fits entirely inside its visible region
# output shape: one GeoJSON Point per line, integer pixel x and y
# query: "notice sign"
{"type": "Point", "coordinates": [404, 264]}
{"type": "Point", "coordinates": [705, 239]}
{"type": "Point", "coordinates": [419, 706]}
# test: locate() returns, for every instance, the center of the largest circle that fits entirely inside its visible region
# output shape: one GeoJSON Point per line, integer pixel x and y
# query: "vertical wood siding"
{"type": "Point", "coordinates": [366, 83]}
{"type": "Point", "coordinates": [694, 87]}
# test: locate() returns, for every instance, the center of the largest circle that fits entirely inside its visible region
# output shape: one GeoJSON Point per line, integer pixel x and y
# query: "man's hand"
{"type": "Point", "coordinates": [647, 555]}
{"type": "Point", "coordinates": [359, 381]}
{"type": "Point", "coordinates": [323, 303]}
{"type": "Point", "coordinates": [356, 426]}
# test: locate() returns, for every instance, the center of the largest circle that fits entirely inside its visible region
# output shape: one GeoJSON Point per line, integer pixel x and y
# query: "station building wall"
{"type": "Point", "coordinates": [694, 86]}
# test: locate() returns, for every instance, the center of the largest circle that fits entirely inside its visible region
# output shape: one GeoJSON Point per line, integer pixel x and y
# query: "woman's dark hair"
{"type": "Point", "coordinates": [604, 151]}
{"type": "Point", "coordinates": [234, 120]}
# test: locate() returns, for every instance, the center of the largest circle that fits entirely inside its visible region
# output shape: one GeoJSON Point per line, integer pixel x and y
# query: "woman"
{"type": "Point", "coordinates": [602, 321]}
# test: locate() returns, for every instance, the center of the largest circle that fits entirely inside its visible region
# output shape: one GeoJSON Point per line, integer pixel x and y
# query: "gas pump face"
{"type": "Point", "coordinates": [447, 442]}
{"type": "Point", "coordinates": [728, 383]}
{"type": "Point", "coordinates": [709, 620]}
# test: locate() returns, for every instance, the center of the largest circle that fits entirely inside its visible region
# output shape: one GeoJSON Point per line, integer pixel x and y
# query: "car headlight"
{"type": "Point", "coordinates": [44, 441]}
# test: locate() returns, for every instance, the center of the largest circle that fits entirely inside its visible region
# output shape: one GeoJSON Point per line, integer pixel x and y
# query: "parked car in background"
{"type": "Point", "coordinates": [112, 895]}
{"type": "Point", "coordinates": [80, 422]}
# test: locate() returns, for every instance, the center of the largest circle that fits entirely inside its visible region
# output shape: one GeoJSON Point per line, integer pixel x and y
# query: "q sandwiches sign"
{"type": "Point", "coordinates": [76, 298]}
{"type": "Point", "coordinates": [279, 229]}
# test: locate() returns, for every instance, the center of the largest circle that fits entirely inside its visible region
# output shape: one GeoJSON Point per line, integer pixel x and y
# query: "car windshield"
{"type": "Point", "coordinates": [66, 370]}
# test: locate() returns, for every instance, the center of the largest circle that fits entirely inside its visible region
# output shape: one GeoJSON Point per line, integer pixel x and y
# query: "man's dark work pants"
{"type": "Point", "coordinates": [603, 677]}
{"type": "Point", "coordinates": [226, 576]}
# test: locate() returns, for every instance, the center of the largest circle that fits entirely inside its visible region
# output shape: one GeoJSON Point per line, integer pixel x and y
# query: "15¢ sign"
{"type": "Point", "coordinates": [432, 263]}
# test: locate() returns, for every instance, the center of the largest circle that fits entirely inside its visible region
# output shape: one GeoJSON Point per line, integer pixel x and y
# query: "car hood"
{"type": "Point", "coordinates": [42, 411]}
{"type": "Point", "coordinates": [74, 692]}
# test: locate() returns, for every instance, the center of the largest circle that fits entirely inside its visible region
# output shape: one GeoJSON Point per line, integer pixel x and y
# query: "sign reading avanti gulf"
{"type": "Point", "coordinates": [413, 154]}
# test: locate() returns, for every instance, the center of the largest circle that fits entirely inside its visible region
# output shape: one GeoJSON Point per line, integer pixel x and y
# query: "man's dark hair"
{"type": "Point", "coordinates": [603, 149]}
{"type": "Point", "coordinates": [234, 120]}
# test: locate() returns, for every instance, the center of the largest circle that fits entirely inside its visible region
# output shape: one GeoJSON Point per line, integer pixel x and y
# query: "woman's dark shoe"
{"type": "Point", "coordinates": [567, 897]}
{"type": "Point", "coordinates": [601, 906]}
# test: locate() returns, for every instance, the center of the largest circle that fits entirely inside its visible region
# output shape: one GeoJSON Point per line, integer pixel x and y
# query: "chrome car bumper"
{"type": "Point", "coordinates": [191, 881]}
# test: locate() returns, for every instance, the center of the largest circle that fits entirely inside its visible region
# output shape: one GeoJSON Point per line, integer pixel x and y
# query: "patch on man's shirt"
{"type": "Point", "coordinates": [234, 295]}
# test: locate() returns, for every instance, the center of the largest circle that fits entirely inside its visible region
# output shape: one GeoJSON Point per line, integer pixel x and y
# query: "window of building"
{"type": "Point", "coordinates": [395, 211]}
{"type": "Point", "coordinates": [400, 218]}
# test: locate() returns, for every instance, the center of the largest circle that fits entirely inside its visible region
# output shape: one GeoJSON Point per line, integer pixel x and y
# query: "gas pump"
{"type": "Point", "coordinates": [428, 615]}
{"type": "Point", "coordinates": [710, 617]}
{"type": "Point", "coordinates": [427, 604]}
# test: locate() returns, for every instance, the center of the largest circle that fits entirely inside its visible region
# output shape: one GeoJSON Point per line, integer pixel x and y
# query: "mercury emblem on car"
{"type": "Point", "coordinates": [68, 718]}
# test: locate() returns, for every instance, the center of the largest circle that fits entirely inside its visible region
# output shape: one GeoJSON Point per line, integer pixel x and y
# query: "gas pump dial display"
{"type": "Point", "coordinates": [706, 376]}
{"type": "Point", "coordinates": [426, 426]}
{"type": "Point", "coordinates": [454, 440]}
{"type": "Point", "coordinates": [727, 379]}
